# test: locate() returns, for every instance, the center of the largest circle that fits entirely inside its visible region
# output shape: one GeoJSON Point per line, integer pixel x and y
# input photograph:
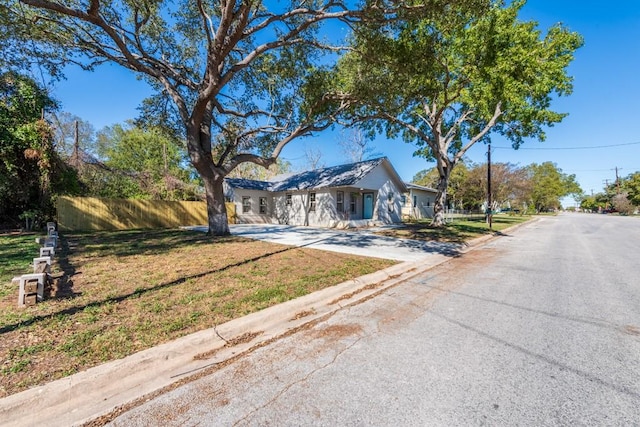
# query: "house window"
{"type": "Point", "coordinates": [415, 201]}
{"type": "Point", "coordinates": [403, 200]}
{"type": "Point", "coordinates": [288, 199]}
{"type": "Point", "coordinates": [312, 202]}
{"type": "Point", "coordinates": [246, 204]}
{"type": "Point", "coordinates": [428, 202]}
{"type": "Point", "coordinates": [390, 201]}
{"type": "Point", "coordinates": [263, 205]}
{"type": "Point", "coordinates": [352, 202]}
{"type": "Point", "coordinates": [340, 201]}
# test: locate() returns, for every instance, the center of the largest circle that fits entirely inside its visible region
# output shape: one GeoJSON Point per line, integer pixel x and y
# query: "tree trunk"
{"type": "Point", "coordinates": [216, 208]}
{"type": "Point", "coordinates": [439, 203]}
{"type": "Point", "coordinates": [213, 178]}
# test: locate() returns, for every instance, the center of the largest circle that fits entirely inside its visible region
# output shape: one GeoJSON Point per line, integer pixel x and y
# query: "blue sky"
{"type": "Point", "coordinates": [603, 109]}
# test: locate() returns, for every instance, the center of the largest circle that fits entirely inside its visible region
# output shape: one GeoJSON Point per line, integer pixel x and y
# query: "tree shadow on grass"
{"type": "Point", "coordinates": [451, 233]}
{"type": "Point", "coordinates": [135, 294]}
{"type": "Point", "coordinates": [141, 242]}
{"type": "Point", "coordinates": [62, 287]}
{"type": "Point", "coordinates": [121, 244]}
{"type": "Point", "coordinates": [458, 235]}
{"type": "Point", "coordinates": [16, 251]}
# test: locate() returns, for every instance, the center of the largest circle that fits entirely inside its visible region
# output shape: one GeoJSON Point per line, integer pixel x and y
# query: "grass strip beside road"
{"type": "Point", "coordinates": [460, 230]}
{"type": "Point", "coordinates": [122, 292]}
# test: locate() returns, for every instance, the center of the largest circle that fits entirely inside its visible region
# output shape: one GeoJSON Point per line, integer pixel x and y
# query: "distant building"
{"type": "Point", "coordinates": [417, 202]}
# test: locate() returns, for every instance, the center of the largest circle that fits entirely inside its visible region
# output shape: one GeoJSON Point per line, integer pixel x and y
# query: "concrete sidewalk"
{"type": "Point", "coordinates": [355, 242]}
{"type": "Point", "coordinates": [113, 386]}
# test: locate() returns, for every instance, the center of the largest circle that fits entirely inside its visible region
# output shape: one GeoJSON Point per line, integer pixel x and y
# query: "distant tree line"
{"type": "Point", "coordinates": [532, 188]}
{"type": "Point", "coordinates": [622, 196]}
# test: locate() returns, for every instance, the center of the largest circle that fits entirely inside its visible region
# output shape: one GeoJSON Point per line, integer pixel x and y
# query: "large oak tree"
{"type": "Point", "coordinates": [450, 81]}
{"type": "Point", "coordinates": [244, 77]}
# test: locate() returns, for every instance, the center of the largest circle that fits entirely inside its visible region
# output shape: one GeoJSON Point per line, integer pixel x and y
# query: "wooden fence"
{"type": "Point", "coordinates": [90, 213]}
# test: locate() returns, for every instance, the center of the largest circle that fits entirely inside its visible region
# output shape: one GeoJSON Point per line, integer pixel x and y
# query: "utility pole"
{"type": "Point", "coordinates": [489, 216]}
{"type": "Point", "coordinates": [617, 182]}
{"type": "Point", "coordinates": [76, 140]}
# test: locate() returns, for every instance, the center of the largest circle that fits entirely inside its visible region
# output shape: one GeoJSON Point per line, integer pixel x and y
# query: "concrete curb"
{"type": "Point", "coordinates": [100, 390]}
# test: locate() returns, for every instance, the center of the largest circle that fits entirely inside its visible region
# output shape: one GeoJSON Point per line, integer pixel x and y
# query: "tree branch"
{"type": "Point", "coordinates": [490, 124]}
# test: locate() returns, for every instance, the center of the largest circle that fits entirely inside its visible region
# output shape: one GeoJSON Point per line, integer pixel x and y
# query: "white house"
{"type": "Point", "coordinates": [351, 195]}
{"type": "Point", "coordinates": [418, 201]}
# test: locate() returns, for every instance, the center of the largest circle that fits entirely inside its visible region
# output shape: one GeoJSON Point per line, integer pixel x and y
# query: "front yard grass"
{"type": "Point", "coordinates": [17, 251]}
{"type": "Point", "coordinates": [122, 292]}
{"type": "Point", "coordinates": [457, 231]}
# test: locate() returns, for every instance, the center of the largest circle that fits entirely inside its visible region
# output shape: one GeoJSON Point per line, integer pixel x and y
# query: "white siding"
{"type": "Point", "coordinates": [299, 213]}
{"type": "Point", "coordinates": [293, 214]}
{"type": "Point", "coordinates": [253, 216]}
{"type": "Point", "coordinates": [375, 179]}
{"type": "Point", "coordinates": [388, 204]}
{"type": "Point", "coordinates": [423, 207]}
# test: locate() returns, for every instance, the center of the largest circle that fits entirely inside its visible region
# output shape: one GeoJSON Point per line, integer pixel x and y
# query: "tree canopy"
{"type": "Point", "coordinates": [536, 187]}
{"type": "Point", "coordinates": [631, 185]}
{"type": "Point", "coordinates": [140, 163]}
{"type": "Point", "coordinates": [623, 195]}
{"type": "Point", "coordinates": [30, 170]}
{"type": "Point", "coordinates": [244, 77]}
{"type": "Point", "coordinates": [550, 184]}
{"type": "Point", "coordinates": [449, 81]}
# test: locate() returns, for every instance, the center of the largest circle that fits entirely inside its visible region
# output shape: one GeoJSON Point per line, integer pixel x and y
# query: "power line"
{"type": "Point", "coordinates": [587, 170]}
{"type": "Point", "coordinates": [569, 148]}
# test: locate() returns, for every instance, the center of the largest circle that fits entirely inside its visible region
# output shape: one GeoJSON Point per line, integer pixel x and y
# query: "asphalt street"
{"type": "Point", "coordinates": [537, 328]}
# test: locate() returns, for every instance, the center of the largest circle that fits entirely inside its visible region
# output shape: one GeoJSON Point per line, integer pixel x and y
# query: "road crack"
{"type": "Point", "coordinates": [285, 389]}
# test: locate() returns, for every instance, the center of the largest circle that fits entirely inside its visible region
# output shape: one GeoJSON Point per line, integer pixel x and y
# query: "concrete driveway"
{"type": "Point", "coordinates": [354, 242]}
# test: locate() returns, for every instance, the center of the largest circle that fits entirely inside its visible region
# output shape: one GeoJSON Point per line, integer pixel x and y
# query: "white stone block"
{"type": "Point", "coordinates": [47, 251]}
{"type": "Point", "coordinates": [31, 285]}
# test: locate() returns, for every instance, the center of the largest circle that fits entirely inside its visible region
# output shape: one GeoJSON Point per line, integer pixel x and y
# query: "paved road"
{"type": "Point", "coordinates": [538, 328]}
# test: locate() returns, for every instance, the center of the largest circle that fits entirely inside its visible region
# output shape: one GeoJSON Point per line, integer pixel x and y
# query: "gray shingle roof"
{"type": "Point", "coordinates": [419, 187]}
{"type": "Point", "coordinates": [335, 176]}
{"type": "Point", "coordinates": [248, 184]}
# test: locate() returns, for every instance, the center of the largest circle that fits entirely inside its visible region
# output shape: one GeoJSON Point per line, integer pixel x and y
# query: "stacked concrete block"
{"type": "Point", "coordinates": [31, 286]}
{"type": "Point", "coordinates": [42, 264]}
{"type": "Point", "coordinates": [51, 242]}
{"type": "Point", "coordinates": [47, 251]}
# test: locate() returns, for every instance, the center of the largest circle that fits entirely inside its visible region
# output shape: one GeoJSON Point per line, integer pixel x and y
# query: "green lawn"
{"type": "Point", "coordinates": [122, 292]}
{"type": "Point", "coordinates": [457, 231]}
{"type": "Point", "coordinates": [16, 255]}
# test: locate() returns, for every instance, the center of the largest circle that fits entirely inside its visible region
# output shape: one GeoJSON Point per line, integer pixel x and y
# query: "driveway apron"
{"type": "Point", "coordinates": [355, 242]}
